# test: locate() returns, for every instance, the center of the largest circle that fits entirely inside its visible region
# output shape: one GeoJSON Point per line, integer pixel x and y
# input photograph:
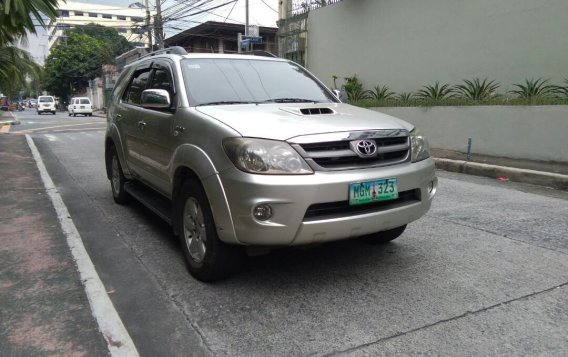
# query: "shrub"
{"type": "Point", "coordinates": [354, 89]}
{"type": "Point", "coordinates": [562, 91]}
{"type": "Point", "coordinates": [476, 89]}
{"type": "Point", "coordinates": [534, 89]}
{"type": "Point", "coordinates": [381, 93]}
{"type": "Point", "coordinates": [436, 92]}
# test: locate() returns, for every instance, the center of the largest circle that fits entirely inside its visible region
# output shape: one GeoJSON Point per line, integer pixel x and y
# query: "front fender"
{"type": "Point", "coordinates": [196, 160]}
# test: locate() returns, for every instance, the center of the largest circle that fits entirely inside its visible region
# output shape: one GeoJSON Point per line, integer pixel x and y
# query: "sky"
{"type": "Point", "coordinates": [261, 13]}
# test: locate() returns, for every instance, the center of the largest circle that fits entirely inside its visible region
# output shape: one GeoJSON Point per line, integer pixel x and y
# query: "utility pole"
{"type": "Point", "coordinates": [246, 22]}
{"type": "Point", "coordinates": [158, 25]}
{"type": "Point", "coordinates": [148, 25]}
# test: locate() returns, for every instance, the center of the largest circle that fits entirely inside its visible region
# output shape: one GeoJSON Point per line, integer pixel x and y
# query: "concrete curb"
{"type": "Point", "coordinates": [548, 179]}
{"type": "Point", "coordinates": [11, 121]}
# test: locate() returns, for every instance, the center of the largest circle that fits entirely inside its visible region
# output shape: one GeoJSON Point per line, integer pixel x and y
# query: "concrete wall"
{"type": "Point", "coordinates": [519, 132]}
{"type": "Point", "coordinates": [406, 44]}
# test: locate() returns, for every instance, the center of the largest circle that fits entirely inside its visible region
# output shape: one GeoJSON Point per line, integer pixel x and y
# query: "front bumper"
{"type": "Point", "coordinates": [291, 196]}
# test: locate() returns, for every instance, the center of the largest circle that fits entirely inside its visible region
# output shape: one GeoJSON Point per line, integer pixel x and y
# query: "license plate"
{"type": "Point", "coordinates": [82, 107]}
{"type": "Point", "coordinates": [372, 191]}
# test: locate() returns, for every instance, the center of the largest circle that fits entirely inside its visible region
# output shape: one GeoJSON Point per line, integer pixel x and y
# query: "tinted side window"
{"type": "Point", "coordinates": [137, 85]}
{"type": "Point", "coordinates": [162, 79]}
{"type": "Point", "coordinates": [85, 101]}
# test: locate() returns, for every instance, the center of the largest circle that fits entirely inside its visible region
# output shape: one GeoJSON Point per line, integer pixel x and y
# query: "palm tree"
{"type": "Point", "coordinates": [17, 19]}
{"type": "Point", "coordinates": [17, 64]}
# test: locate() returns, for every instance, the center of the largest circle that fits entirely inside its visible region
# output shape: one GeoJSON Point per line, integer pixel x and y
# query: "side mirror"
{"type": "Point", "coordinates": [338, 94]}
{"type": "Point", "coordinates": [155, 99]}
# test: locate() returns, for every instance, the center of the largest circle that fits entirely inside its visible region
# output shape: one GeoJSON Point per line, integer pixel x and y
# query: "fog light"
{"type": "Point", "coordinates": [432, 188]}
{"type": "Point", "coordinates": [262, 212]}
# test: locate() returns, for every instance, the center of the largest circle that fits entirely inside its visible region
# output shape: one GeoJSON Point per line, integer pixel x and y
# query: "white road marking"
{"type": "Point", "coordinates": [118, 340]}
{"type": "Point", "coordinates": [49, 137]}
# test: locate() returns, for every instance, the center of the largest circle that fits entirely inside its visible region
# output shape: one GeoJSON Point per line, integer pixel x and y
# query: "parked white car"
{"type": "Point", "coordinates": [80, 105]}
{"type": "Point", "coordinates": [46, 103]}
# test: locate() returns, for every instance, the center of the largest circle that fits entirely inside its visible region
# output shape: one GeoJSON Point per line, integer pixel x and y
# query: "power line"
{"type": "Point", "coordinates": [270, 7]}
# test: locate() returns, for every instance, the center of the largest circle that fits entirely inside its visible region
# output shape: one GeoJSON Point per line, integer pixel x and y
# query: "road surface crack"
{"type": "Point", "coordinates": [465, 314]}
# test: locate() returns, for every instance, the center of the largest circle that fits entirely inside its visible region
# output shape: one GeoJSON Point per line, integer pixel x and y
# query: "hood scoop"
{"type": "Point", "coordinates": [309, 111]}
{"type": "Point", "coordinates": [314, 111]}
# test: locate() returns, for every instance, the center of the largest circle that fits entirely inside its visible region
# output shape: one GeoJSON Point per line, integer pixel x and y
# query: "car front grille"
{"type": "Point", "coordinates": [338, 155]}
{"type": "Point", "coordinates": [343, 209]}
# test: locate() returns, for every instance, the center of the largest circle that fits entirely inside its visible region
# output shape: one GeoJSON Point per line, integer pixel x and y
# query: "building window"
{"type": "Point", "coordinates": [78, 13]}
{"type": "Point", "coordinates": [121, 17]}
{"type": "Point", "coordinates": [136, 19]}
{"type": "Point", "coordinates": [122, 30]}
{"type": "Point", "coordinates": [63, 13]}
{"type": "Point", "coordinates": [105, 16]}
{"type": "Point", "coordinates": [138, 31]}
{"type": "Point", "coordinates": [92, 14]}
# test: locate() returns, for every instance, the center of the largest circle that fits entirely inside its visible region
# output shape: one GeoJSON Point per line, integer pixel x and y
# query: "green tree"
{"type": "Point", "coordinates": [71, 65]}
{"type": "Point", "coordinates": [119, 44]}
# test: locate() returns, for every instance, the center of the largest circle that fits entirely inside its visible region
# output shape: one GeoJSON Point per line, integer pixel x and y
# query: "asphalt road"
{"type": "Point", "coordinates": [484, 273]}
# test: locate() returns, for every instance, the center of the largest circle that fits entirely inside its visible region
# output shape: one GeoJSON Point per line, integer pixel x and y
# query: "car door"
{"type": "Point", "coordinates": [158, 129]}
{"type": "Point", "coordinates": [130, 117]}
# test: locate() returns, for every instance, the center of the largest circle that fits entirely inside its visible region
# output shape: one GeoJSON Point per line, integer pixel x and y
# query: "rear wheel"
{"type": "Point", "coordinates": [384, 236]}
{"type": "Point", "coordinates": [74, 114]}
{"type": "Point", "coordinates": [207, 257]}
{"type": "Point", "coordinates": [117, 179]}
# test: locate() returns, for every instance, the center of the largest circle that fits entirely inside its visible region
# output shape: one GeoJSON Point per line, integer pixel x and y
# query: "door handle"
{"type": "Point", "coordinates": [178, 129]}
{"type": "Point", "coordinates": [141, 124]}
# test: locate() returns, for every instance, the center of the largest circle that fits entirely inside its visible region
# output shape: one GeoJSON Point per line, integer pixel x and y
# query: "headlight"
{"type": "Point", "coordinates": [420, 147]}
{"type": "Point", "coordinates": [269, 157]}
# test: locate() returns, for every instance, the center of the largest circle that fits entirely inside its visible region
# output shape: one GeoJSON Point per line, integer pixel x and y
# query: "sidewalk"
{"type": "Point", "coordinates": [543, 173]}
{"type": "Point", "coordinates": [44, 308]}
{"type": "Point", "coordinates": [6, 120]}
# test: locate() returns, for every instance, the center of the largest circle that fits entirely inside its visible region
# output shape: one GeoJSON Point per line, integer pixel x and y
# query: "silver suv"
{"type": "Point", "coordinates": [240, 151]}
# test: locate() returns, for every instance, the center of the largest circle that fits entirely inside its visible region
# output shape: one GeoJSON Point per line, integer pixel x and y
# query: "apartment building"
{"type": "Point", "coordinates": [128, 21]}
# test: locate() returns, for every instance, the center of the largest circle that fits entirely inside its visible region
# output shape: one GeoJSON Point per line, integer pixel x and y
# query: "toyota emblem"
{"type": "Point", "coordinates": [364, 148]}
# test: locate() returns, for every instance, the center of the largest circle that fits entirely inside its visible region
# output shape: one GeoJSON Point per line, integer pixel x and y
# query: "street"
{"type": "Point", "coordinates": [485, 272]}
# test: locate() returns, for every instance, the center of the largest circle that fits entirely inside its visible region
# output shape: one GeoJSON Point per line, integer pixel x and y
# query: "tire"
{"type": "Point", "coordinates": [117, 179]}
{"type": "Point", "coordinates": [74, 114]}
{"type": "Point", "coordinates": [207, 258]}
{"type": "Point", "coordinates": [69, 114]}
{"type": "Point", "coordinates": [384, 236]}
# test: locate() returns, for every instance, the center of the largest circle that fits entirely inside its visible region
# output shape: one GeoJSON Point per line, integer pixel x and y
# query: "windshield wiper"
{"type": "Point", "coordinates": [225, 102]}
{"type": "Point", "coordinates": [291, 100]}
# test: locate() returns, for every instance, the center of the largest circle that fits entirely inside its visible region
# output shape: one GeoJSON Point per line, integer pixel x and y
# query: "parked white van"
{"type": "Point", "coordinates": [80, 105]}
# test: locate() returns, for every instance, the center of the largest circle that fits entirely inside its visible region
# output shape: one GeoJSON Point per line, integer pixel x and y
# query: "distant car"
{"type": "Point", "coordinates": [80, 105]}
{"type": "Point", "coordinates": [45, 103]}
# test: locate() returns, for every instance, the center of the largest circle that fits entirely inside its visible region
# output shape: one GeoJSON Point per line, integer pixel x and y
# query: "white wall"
{"type": "Point", "coordinates": [519, 132]}
{"type": "Point", "coordinates": [406, 44]}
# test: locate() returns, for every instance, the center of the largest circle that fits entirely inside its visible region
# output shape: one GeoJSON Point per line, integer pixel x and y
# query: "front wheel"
{"type": "Point", "coordinates": [117, 179]}
{"type": "Point", "coordinates": [384, 236]}
{"type": "Point", "coordinates": [207, 257]}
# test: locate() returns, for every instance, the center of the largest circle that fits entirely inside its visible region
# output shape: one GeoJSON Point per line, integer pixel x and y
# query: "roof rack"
{"type": "Point", "coordinates": [260, 53]}
{"type": "Point", "coordinates": [176, 50]}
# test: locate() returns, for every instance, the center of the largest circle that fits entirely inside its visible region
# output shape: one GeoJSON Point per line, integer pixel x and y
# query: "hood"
{"type": "Point", "coordinates": [287, 121]}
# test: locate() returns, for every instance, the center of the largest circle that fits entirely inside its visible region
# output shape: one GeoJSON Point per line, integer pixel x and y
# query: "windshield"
{"type": "Point", "coordinates": [212, 81]}
{"type": "Point", "coordinates": [45, 99]}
